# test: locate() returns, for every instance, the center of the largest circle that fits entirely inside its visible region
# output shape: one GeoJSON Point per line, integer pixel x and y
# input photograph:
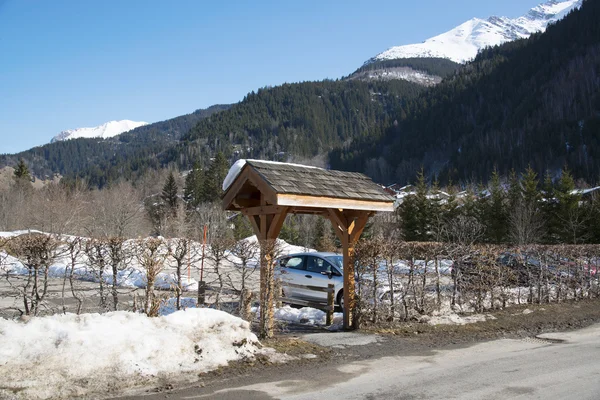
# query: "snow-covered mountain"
{"type": "Point", "coordinates": [462, 43]}
{"type": "Point", "coordinates": [109, 129]}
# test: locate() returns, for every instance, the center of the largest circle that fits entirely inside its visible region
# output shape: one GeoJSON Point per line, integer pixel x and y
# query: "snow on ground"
{"type": "Point", "coordinates": [304, 315]}
{"type": "Point", "coordinates": [71, 356]}
{"type": "Point", "coordinates": [170, 305]}
{"type": "Point", "coordinates": [455, 319]}
{"type": "Point", "coordinates": [132, 274]}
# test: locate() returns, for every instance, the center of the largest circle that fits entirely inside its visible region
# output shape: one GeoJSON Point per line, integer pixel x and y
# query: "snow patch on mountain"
{"type": "Point", "coordinates": [405, 73]}
{"type": "Point", "coordinates": [462, 43]}
{"type": "Point", "coordinates": [107, 130]}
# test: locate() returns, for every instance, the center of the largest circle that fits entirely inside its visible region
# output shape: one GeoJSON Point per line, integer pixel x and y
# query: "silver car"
{"type": "Point", "coordinates": [311, 269]}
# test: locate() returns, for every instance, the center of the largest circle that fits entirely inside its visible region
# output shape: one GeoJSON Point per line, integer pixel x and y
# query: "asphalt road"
{"type": "Point", "coordinates": [554, 366]}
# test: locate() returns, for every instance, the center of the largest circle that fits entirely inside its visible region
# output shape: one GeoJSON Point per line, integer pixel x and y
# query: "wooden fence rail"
{"type": "Point", "coordinates": [329, 308]}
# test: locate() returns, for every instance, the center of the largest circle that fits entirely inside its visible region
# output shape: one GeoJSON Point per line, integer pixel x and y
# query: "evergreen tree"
{"type": "Point", "coordinates": [423, 208]}
{"type": "Point", "coordinates": [548, 209]}
{"type": "Point", "coordinates": [514, 190]}
{"type": "Point", "coordinates": [450, 208]}
{"type": "Point", "coordinates": [169, 195]}
{"type": "Point", "coordinates": [325, 239]}
{"type": "Point", "coordinates": [531, 194]}
{"type": "Point", "coordinates": [495, 214]}
{"type": "Point", "coordinates": [21, 171]}
{"type": "Point", "coordinates": [436, 218]}
{"type": "Point", "coordinates": [193, 190]}
{"type": "Point", "coordinates": [569, 216]}
{"type": "Point", "coordinates": [470, 207]}
{"type": "Point", "coordinates": [593, 222]}
{"type": "Point", "coordinates": [289, 230]}
{"type": "Point", "coordinates": [242, 227]}
{"type": "Point", "coordinates": [408, 213]}
{"type": "Point", "coordinates": [213, 180]}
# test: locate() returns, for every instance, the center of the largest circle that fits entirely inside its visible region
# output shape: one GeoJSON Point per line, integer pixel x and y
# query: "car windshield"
{"type": "Point", "coordinates": [338, 261]}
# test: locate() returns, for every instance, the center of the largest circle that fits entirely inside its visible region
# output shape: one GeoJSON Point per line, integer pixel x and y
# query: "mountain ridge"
{"type": "Point", "coordinates": [106, 130]}
{"type": "Point", "coordinates": [527, 103]}
{"type": "Point", "coordinates": [462, 43]}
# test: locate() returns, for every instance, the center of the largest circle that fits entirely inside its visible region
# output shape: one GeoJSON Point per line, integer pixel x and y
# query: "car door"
{"type": "Point", "coordinates": [292, 270]}
{"type": "Point", "coordinates": [318, 272]}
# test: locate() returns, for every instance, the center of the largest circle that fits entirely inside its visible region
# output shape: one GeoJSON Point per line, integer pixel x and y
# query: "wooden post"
{"type": "Point", "coordinates": [348, 226]}
{"type": "Point", "coordinates": [330, 303]}
{"type": "Point", "coordinates": [201, 293]}
{"type": "Point", "coordinates": [267, 228]}
{"type": "Point", "coordinates": [246, 304]}
{"type": "Point", "coordinates": [278, 294]}
{"type": "Point", "coordinates": [267, 290]}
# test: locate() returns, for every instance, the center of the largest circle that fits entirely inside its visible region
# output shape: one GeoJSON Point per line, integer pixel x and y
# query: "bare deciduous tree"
{"type": "Point", "coordinates": [73, 249]}
{"type": "Point", "coordinates": [463, 230]}
{"type": "Point", "coordinates": [36, 252]}
{"type": "Point", "coordinates": [116, 212]}
{"type": "Point", "coordinates": [151, 254]}
{"type": "Point", "coordinates": [525, 224]}
{"type": "Point", "coordinates": [244, 256]}
{"type": "Point", "coordinates": [180, 251]}
{"type": "Point", "coordinates": [98, 260]}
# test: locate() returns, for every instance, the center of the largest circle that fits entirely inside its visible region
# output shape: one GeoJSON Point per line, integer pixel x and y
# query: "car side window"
{"type": "Point", "coordinates": [318, 265]}
{"type": "Point", "coordinates": [295, 263]}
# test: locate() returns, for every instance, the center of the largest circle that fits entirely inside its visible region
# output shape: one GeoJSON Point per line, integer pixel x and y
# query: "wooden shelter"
{"type": "Point", "coordinates": [266, 192]}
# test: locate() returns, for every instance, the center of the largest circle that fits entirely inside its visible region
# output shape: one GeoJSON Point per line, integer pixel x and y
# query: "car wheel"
{"type": "Point", "coordinates": [340, 300]}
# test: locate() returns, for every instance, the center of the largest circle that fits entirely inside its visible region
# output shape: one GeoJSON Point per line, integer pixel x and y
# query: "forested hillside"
{"type": "Point", "coordinates": [296, 121]}
{"type": "Point", "coordinates": [531, 102]}
{"type": "Point", "coordinates": [101, 161]}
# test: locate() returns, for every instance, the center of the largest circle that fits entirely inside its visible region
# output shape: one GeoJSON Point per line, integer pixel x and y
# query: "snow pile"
{"type": "Point", "coordinates": [107, 130]}
{"type": "Point", "coordinates": [71, 356]}
{"type": "Point", "coordinates": [11, 265]}
{"type": "Point", "coordinates": [462, 43]}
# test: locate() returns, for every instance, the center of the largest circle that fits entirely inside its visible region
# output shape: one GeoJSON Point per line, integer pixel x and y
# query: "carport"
{"type": "Point", "coordinates": [266, 192]}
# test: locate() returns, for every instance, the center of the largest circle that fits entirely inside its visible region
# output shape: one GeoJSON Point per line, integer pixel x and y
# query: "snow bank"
{"type": "Point", "coordinates": [11, 265]}
{"type": "Point", "coordinates": [71, 356]}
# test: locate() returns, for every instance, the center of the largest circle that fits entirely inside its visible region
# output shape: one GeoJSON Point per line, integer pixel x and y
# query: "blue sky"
{"type": "Point", "coordinates": [69, 64]}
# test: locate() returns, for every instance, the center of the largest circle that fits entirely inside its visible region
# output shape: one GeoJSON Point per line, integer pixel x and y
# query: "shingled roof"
{"type": "Point", "coordinates": [305, 180]}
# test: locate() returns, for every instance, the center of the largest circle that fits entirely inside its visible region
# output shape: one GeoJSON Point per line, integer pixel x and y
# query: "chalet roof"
{"type": "Point", "coordinates": [305, 180]}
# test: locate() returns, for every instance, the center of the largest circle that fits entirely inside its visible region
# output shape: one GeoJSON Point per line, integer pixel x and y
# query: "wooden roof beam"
{"type": "Point", "coordinates": [306, 201]}
{"type": "Point", "coordinates": [264, 210]}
